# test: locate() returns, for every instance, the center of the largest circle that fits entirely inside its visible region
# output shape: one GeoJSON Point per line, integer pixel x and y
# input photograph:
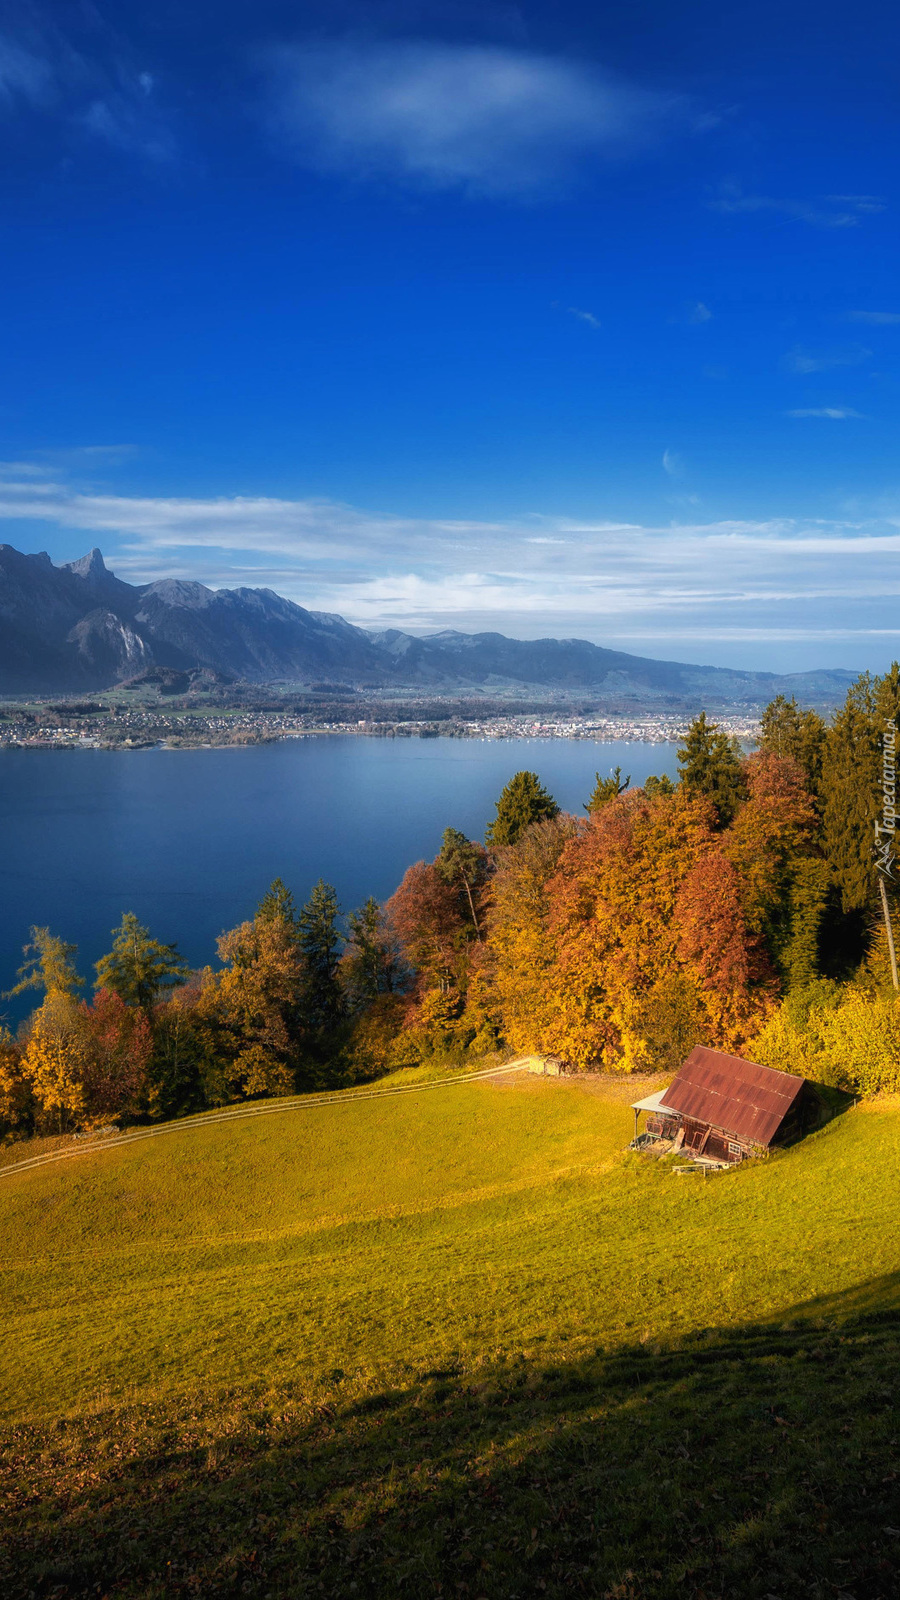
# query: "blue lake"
{"type": "Point", "coordinates": [190, 839]}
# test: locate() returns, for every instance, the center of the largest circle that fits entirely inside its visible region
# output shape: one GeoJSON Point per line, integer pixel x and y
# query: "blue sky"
{"type": "Point", "coordinates": [565, 319]}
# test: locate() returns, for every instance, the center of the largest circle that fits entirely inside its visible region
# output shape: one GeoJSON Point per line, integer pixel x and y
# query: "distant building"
{"type": "Point", "coordinates": [722, 1109]}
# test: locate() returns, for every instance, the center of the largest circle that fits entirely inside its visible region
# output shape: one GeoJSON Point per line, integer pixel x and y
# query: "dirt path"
{"type": "Point", "coordinates": [305, 1102]}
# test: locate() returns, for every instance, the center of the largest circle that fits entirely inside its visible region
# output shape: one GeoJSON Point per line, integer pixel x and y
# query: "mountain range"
{"type": "Point", "coordinates": [73, 627]}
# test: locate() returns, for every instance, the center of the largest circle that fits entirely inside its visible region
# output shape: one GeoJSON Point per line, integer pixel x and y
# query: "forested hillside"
{"type": "Point", "coordinates": [736, 908]}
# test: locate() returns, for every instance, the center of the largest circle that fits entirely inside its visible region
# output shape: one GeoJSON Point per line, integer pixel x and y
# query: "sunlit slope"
{"type": "Point", "coordinates": [484, 1218]}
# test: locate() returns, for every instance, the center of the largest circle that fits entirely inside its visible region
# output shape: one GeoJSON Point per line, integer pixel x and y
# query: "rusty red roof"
{"type": "Point", "coordinates": [742, 1098]}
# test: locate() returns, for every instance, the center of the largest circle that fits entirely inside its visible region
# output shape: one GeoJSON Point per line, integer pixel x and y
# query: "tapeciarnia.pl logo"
{"type": "Point", "coordinates": [887, 827]}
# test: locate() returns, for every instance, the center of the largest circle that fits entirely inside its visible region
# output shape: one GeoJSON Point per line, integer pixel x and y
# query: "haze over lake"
{"type": "Point", "coordinates": [190, 840]}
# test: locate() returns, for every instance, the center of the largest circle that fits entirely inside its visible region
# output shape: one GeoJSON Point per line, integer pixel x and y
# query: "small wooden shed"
{"type": "Point", "coordinates": [721, 1108]}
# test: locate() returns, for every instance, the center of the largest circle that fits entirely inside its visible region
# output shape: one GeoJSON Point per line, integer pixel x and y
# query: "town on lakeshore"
{"type": "Point", "coordinates": [122, 722]}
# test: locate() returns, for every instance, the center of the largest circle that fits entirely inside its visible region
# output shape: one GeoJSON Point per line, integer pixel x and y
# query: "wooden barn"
{"type": "Point", "coordinates": [722, 1109]}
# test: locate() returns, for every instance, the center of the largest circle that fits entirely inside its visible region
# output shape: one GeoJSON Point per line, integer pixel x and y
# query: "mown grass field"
{"type": "Point", "coordinates": [459, 1342]}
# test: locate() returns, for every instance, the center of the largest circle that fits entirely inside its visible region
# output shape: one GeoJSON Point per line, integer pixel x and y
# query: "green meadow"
{"type": "Point", "coordinates": [457, 1341]}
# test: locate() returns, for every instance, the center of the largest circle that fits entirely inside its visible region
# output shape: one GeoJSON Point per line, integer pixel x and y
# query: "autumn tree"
{"type": "Point", "coordinates": [56, 1062]}
{"type": "Point", "coordinates": [523, 801]}
{"type": "Point", "coordinates": [251, 1016]}
{"type": "Point", "coordinates": [49, 965]}
{"type": "Point", "coordinates": [519, 949]}
{"type": "Point", "coordinates": [16, 1100]}
{"type": "Point", "coordinates": [773, 843]}
{"type": "Point", "coordinates": [138, 968]}
{"type": "Point", "coordinates": [430, 918]}
{"type": "Point", "coordinates": [117, 1048]}
{"type": "Point", "coordinates": [710, 765]}
{"type": "Point", "coordinates": [623, 923]}
{"type": "Point", "coordinates": [425, 917]}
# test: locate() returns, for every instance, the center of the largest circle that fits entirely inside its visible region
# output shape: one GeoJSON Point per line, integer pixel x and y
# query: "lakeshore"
{"type": "Point", "coordinates": [131, 727]}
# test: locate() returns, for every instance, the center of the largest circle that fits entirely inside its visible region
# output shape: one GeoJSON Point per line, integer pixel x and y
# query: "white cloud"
{"type": "Point", "coordinates": [836, 413]}
{"type": "Point", "coordinates": [876, 319]}
{"type": "Point", "coordinates": [667, 590]}
{"type": "Point", "coordinates": [585, 316]}
{"type": "Point", "coordinates": [700, 313]}
{"type": "Point", "coordinates": [23, 76]}
{"type": "Point", "coordinates": [805, 361]}
{"type": "Point", "coordinates": [91, 86]}
{"type": "Point", "coordinates": [488, 119]}
{"type": "Point", "coordinates": [835, 211]}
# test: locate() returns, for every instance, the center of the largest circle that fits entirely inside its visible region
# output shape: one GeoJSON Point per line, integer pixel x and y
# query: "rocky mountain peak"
{"type": "Point", "coordinates": [91, 566]}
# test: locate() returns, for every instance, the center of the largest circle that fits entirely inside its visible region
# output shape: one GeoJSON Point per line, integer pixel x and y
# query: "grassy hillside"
{"type": "Point", "coordinates": [380, 1342]}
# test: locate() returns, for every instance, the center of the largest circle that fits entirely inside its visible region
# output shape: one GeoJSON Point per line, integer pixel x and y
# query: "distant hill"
{"type": "Point", "coordinates": [74, 627]}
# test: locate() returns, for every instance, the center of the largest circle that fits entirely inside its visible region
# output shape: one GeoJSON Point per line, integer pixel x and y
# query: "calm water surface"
{"type": "Point", "coordinates": [190, 839]}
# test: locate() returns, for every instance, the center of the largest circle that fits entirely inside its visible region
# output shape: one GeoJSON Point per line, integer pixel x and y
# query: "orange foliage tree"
{"type": "Point", "coordinates": [642, 900]}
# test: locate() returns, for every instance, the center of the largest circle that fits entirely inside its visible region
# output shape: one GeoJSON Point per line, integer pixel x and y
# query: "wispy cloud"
{"type": "Point", "coordinates": [660, 588]}
{"type": "Point", "coordinates": [835, 413]}
{"type": "Point", "coordinates": [875, 319]}
{"type": "Point", "coordinates": [127, 119]}
{"type": "Point", "coordinates": [80, 72]}
{"type": "Point", "coordinates": [585, 316]}
{"type": "Point", "coordinates": [487, 119]}
{"type": "Point", "coordinates": [806, 361]}
{"type": "Point", "coordinates": [832, 211]}
{"type": "Point", "coordinates": [24, 76]}
{"type": "Point", "coordinates": [674, 463]}
{"type": "Point", "coordinates": [699, 313]}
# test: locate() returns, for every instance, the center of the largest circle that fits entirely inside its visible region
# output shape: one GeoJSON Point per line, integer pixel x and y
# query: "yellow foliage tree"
{"type": "Point", "coordinates": [56, 1062]}
{"type": "Point", "coordinates": [848, 1037]}
{"type": "Point", "coordinates": [15, 1095]}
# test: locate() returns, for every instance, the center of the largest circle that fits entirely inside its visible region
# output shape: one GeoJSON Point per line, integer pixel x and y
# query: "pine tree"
{"type": "Point", "coordinates": [655, 787]}
{"type": "Point", "coordinates": [320, 941]}
{"type": "Point", "coordinates": [523, 801]}
{"type": "Point", "coordinates": [278, 902]}
{"type": "Point", "coordinates": [851, 784]}
{"type": "Point", "coordinates": [463, 865]}
{"type": "Point", "coordinates": [371, 965]}
{"type": "Point", "coordinates": [711, 764]}
{"type": "Point", "coordinates": [607, 789]}
{"type": "Point", "coordinates": [785, 730]}
{"type": "Point", "coordinates": [138, 968]}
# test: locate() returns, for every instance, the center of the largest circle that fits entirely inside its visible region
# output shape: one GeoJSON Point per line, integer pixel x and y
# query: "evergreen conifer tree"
{"type": "Point", "coordinates": [523, 801]}
{"type": "Point", "coordinates": [320, 942]}
{"type": "Point", "coordinates": [786, 730]}
{"type": "Point", "coordinates": [278, 902]}
{"type": "Point", "coordinates": [711, 765]}
{"type": "Point", "coordinates": [656, 786]}
{"type": "Point", "coordinates": [607, 789]}
{"type": "Point", "coordinates": [371, 964]}
{"type": "Point", "coordinates": [137, 967]}
{"type": "Point", "coordinates": [463, 864]}
{"type": "Point", "coordinates": [851, 784]}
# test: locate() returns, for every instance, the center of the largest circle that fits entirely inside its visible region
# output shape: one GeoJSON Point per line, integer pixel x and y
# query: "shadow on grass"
{"type": "Point", "coordinates": [754, 1463]}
